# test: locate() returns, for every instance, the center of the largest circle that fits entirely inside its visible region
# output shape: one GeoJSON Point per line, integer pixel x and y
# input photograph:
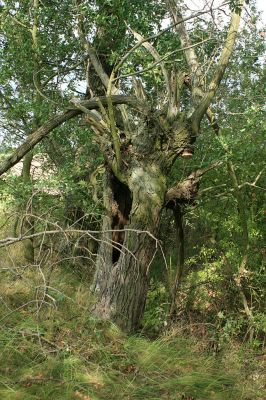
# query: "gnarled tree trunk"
{"type": "Point", "coordinates": [140, 137]}
{"type": "Point", "coordinates": [121, 280]}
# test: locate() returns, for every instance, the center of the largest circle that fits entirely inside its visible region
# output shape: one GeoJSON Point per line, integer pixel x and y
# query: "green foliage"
{"type": "Point", "coordinates": [58, 350]}
{"type": "Point", "coordinates": [213, 230]}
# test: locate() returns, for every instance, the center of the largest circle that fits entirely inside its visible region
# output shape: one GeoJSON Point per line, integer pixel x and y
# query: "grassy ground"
{"type": "Point", "coordinates": [52, 348]}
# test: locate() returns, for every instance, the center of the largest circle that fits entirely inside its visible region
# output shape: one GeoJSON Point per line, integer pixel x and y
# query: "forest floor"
{"type": "Point", "coordinates": [51, 347]}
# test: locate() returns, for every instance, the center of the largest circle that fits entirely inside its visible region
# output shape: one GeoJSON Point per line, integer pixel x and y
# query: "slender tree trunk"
{"type": "Point", "coordinates": [243, 218]}
{"type": "Point", "coordinates": [121, 281]}
{"type": "Point", "coordinates": [28, 223]}
{"type": "Point", "coordinates": [177, 211]}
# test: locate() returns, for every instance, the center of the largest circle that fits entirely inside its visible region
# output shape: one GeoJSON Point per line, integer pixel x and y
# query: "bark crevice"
{"type": "Point", "coordinates": [121, 208]}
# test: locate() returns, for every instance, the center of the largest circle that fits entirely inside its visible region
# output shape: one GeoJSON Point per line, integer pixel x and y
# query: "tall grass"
{"type": "Point", "coordinates": [51, 347]}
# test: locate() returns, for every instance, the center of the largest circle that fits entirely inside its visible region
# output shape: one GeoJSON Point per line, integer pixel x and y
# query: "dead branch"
{"type": "Point", "coordinates": [186, 190]}
{"type": "Point", "coordinates": [191, 57]}
{"type": "Point", "coordinates": [156, 35]}
{"type": "Point", "coordinates": [159, 61]}
{"type": "Point", "coordinates": [148, 46]}
{"type": "Point", "coordinates": [200, 99]}
{"type": "Point", "coordinates": [219, 71]}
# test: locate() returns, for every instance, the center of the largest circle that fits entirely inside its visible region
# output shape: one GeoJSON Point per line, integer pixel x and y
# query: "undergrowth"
{"type": "Point", "coordinates": [51, 347]}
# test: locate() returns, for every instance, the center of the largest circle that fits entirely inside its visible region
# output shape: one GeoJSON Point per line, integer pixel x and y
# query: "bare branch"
{"type": "Point", "coordinates": [159, 61]}
{"type": "Point", "coordinates": [65, 71]}
{"type": "Point", "coordinates": [94, 117]}
{"type": "Point", "coordinates": [219, 72]}
{"type": "Point", "coordinates": [156, 35]}
{"type": "Point", "coordinates": [201, 100]}
{"type": "Point", "coordinates": [197, 76]}
{"type": "Point", "coordinates": [139, 89]}
{"type": "Point", "coordinates": [186, 190]}
{"type": "Point", "coordinates": [156, 56]}
{"type": "Point", "coordinates": [17, 21]}
{"type": "Point", "coordinates": [191, 57]}
{"type": "Point", "coordinates": [99, 68]}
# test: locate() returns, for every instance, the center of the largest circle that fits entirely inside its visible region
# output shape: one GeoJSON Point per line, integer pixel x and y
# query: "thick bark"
{"type": "Point", "coordinates": [121, 284]}
{"type": "Point", "coordinates": [147, 142]}
{"type": "Point", "coordinates": [129, 231]}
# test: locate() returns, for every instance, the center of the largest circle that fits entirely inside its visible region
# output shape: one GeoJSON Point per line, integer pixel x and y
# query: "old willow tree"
{"type": "Point", "coordinates": [146, 74]}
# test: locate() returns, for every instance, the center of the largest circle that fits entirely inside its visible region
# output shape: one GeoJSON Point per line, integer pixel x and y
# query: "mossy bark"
{"type": "Point", "coordinates": [121, 286]}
